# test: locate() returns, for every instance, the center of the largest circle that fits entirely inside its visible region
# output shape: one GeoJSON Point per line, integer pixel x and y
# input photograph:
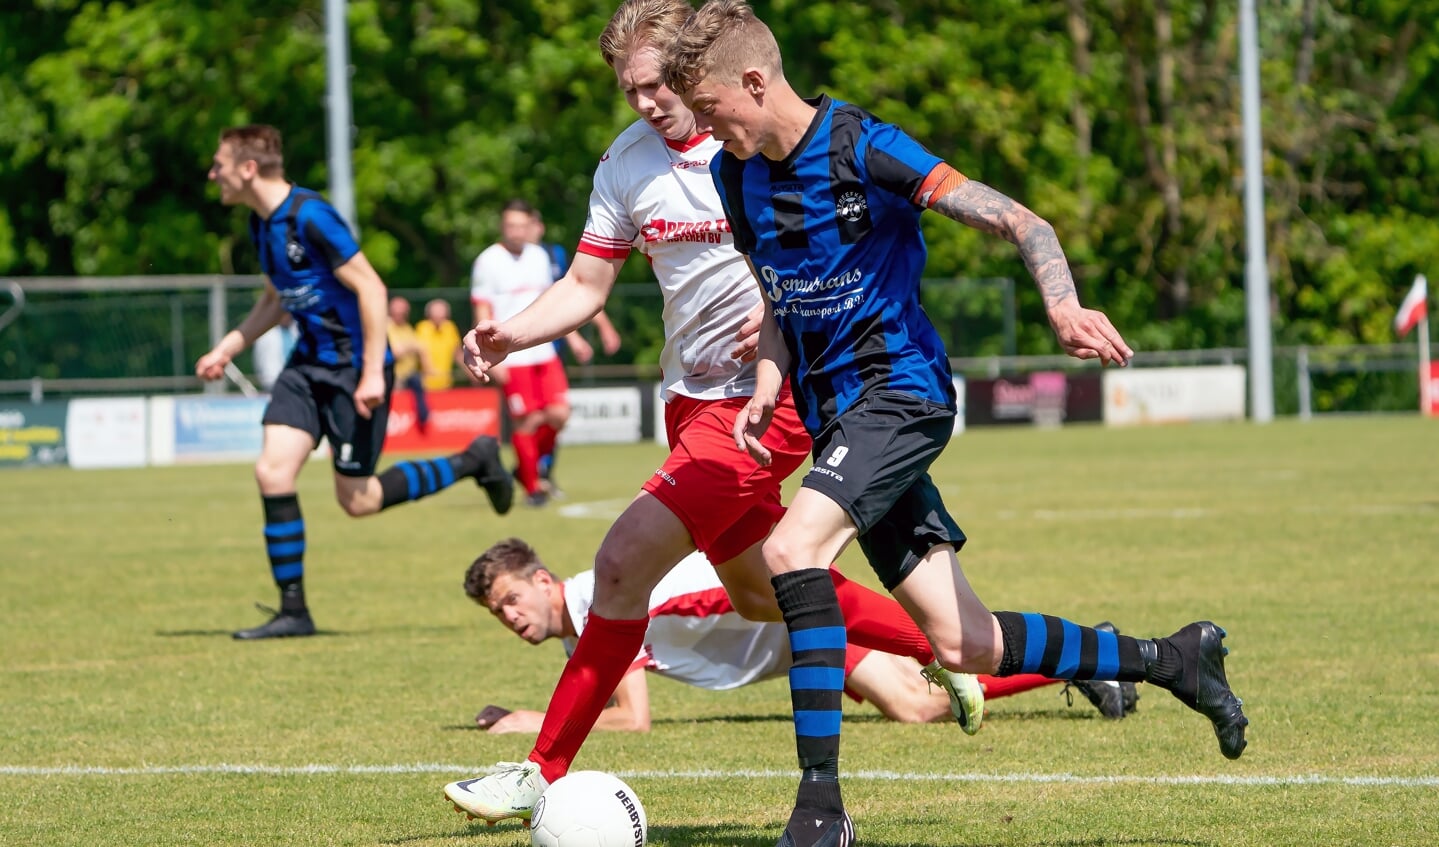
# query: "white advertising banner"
{"type": "Point", "coordinates": [1173, 395]}
{"type": "Point", "coordinates": [106, 432]}
{"type": "Point", "coordinates": [603, 416]}
{"type": "Point", "coordinates": [959, 390]}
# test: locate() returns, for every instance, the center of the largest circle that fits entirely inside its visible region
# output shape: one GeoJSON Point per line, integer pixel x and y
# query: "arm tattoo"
{"type": "Point", "coordinates": [976, 205]}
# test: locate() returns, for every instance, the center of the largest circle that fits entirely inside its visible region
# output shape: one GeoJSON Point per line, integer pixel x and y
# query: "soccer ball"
{"type": "Point", "coordinates": [588, 809]}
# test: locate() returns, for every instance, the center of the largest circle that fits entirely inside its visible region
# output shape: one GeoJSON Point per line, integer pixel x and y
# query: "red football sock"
{"type": "Point", "coordinates": [1003, 686]}
{"type": "Point", "coordinates": [527, 458]}
{"type": "Point", "coordinates": [545, 436]}
{"type": "Point", "coordinates": [601, 659]}
{"type": "Point", "coordinates": [878, 622]}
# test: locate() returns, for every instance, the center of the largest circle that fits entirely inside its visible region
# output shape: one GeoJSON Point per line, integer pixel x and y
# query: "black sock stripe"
{"type": "Point", "coordinates": [813, 700]}
{"type": "Point", "coordinates": [1088, 653]}
{"type": "Point", "coordinates": [1053, 642]}
{"type": "Point", "coordinates": [816, 658]}
{"type": "Point", "coordinates": [281, 508]}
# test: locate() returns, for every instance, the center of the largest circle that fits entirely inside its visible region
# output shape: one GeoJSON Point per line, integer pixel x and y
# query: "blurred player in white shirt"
{"type": "Point", "coordinates": [505, 279]}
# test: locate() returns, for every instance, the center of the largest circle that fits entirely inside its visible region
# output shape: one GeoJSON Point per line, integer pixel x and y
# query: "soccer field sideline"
{"type": "Point", "coordinates": [1287, 781]}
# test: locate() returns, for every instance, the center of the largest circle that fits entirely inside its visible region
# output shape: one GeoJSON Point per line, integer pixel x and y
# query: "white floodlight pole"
{"type": "Point", "coordinates": [337, 111]}
{"type": "Point", "coordinates": [1256, 268]}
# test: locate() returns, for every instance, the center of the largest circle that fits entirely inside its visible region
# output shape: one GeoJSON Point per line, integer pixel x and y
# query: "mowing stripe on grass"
{"type": "Point", "coordinates": [883, 776]}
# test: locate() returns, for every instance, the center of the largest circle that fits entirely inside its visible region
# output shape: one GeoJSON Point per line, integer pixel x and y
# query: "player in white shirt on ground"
{"type": "Point", "coordinates": [694, 636]}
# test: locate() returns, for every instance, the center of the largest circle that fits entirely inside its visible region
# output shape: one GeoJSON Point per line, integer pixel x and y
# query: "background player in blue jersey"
{"type": "Point", "coordinates": [338, 380]}
{"type": "Point", "coordinates": [825, 200]}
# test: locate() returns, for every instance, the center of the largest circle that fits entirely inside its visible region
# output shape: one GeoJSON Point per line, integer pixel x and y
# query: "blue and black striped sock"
{"type": "Point", "coordinates": [406, 481]}
{"type": "Point", "coordinates": [1062, 649]}
{"type": "Point", "coordinates": [285, 545]}
{"type": "Point", "coordinates": [816, 678]}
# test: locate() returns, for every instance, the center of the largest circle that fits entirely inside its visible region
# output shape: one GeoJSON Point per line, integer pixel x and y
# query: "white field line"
{"type": "Point", "coordinates": [1287, 780]}
{"type": "Point", "coordinates": [601, 510]}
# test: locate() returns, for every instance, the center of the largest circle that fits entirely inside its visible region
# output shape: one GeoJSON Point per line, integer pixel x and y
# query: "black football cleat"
{"type": "Point", "coordinates": [839, 834]}
{"type": "Point", "coordinates": [281, 625]}
{"type": "Point", "coordinates": [492, 476]}
{"type": "Point", "coordinates": [1201, 645]}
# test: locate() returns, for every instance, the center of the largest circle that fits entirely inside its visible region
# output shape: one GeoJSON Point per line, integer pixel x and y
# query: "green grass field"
{"type": "Point", "coordinates": [130, 717]}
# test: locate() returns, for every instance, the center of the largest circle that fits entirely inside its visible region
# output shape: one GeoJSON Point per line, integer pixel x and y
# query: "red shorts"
{"type": "Point", "coordinates": [532, 388]}
{"type": "Point", "coordinates": [721, 495]}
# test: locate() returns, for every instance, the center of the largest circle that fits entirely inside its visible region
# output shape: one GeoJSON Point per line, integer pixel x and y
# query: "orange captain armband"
{"type": "Point", "coordinates": [942, 180]}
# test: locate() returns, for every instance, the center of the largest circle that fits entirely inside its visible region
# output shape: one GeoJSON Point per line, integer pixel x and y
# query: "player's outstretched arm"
{"type": "Point", "coordinates": [630, 709]}
{"type": "Point", "coordinates": [1084, 333]}
{"type": "Point", "coordinates": [263, 317]}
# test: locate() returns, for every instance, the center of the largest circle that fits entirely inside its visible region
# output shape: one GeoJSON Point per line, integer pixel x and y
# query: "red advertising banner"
{"type": "Point", "coordinates": [456, 417]}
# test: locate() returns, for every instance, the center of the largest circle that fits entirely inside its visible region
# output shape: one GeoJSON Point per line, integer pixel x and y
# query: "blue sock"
{"type": "Point", "coordinates": [406, 481]}
{"type": "Point", "coordinates": [816, 678]}
{"type": "Point", "coordinates": [1062, 649]}
{"type": "Point", "coordinates": [285, 545]}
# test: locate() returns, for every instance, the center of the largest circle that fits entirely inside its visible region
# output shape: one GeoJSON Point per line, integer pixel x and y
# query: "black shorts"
{"type": "Point", "coordinates": [873, 461]}
{"type": "Point", "coordinates": [321, 401]}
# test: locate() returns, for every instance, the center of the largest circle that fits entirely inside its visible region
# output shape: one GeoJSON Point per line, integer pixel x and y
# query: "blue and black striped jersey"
{"type": "Point", "coordinates": [834, 234]}
{"type": "Point", "coordinates": [300, 245]}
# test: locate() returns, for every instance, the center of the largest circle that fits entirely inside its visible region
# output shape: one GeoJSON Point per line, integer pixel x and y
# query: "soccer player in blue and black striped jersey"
{"type": "Point", "coordinates": [825, 200]}
{"type": "Point", "coordinates": [337, 382]}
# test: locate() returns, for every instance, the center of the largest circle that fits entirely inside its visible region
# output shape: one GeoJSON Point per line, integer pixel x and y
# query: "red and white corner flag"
{"type": "Point", "coordinates": [1415, 307]}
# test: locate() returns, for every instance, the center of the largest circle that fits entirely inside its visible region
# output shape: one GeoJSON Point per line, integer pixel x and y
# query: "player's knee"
{"type": "Point", "coordinates": [613, 579]}
{"type": "Point", "coordinates": [273, 476]}
{"type": "Point", "coordinates": [355, 496]}
{"type": "Point", "coordinates": [783, 554]}
{"type": "Point", "coordinates": [353, 506]}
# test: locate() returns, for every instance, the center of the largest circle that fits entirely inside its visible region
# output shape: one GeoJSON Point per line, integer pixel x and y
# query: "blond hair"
{"type": "Point", "coordinates": [259, 143]}
{"type": "Point", "coordinates": [722, 39]}
{"type": "Point", "coordinates": [637, 24]}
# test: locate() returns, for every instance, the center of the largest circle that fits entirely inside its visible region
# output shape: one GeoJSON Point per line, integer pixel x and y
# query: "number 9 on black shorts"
{"type": "Point", "coordinates": [873, 460]}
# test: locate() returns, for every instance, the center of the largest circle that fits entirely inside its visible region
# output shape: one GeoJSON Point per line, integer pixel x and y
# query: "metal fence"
{"type": "Point", "coordinates": [106, 335]}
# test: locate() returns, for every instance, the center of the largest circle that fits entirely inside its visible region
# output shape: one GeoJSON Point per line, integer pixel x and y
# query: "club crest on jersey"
{"type": "Point", "coordinates": [295, 253]}
{"type": "Point", "coordinates": [851, 206]}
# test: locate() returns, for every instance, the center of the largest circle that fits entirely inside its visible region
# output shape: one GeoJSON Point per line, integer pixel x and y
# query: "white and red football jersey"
{"type": "Point", "coordinates": [656, 196]}
{"type": "Point", "coordinates": [509, 283]}
{"type": "Point", "coordinates": [695, 636]}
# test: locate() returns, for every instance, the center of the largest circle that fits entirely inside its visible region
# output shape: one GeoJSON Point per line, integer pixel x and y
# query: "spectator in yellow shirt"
{"type": "Point", "coordinates": [440, 338]}
{"type": "Point", "coordinates": [411, 358]}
